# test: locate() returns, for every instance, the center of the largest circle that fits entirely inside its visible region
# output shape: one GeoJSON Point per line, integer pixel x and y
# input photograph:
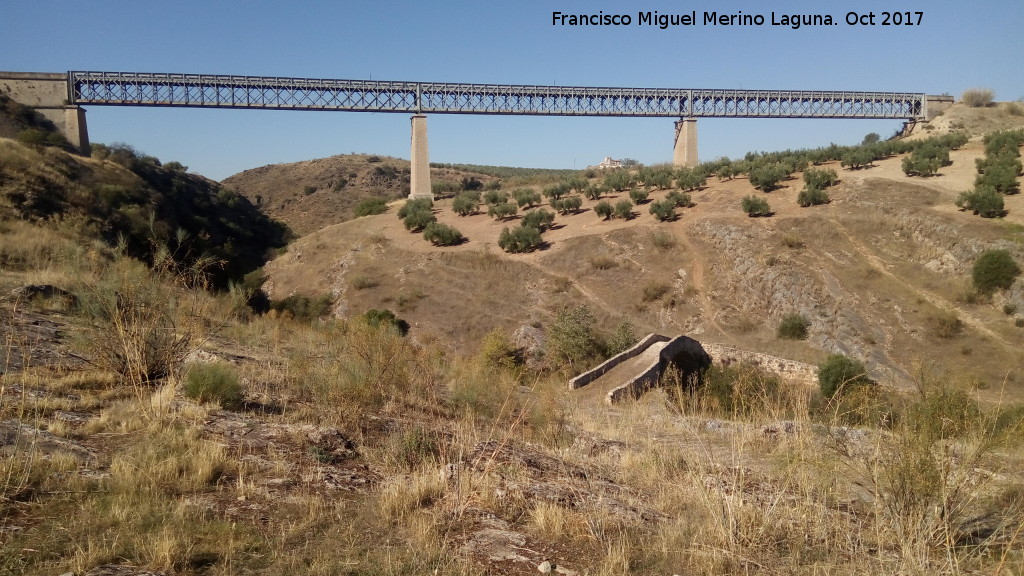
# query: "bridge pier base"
{"type": "Point", "coordinates": [685, 151]}
{"type": "Point", "coordinates": [419, 181]}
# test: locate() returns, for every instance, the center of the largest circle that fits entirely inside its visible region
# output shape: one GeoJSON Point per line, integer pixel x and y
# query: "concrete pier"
{"type": "Point", "coordinates": [685, 151]}
{"type": "Point", "coordinates": [48, 94]}
{"type": "Point", "coordinates": [420, 178]}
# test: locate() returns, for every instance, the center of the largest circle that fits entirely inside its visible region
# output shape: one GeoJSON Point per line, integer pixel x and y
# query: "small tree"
{"type": "Point", "coordinates": [638, 195]}
{"type": "Point", "coordinates": [812, 197]}
{"type": "Point", "coordinates": [442, 235]}
{"type": "Point", "coordinates": [592, 192]}
{"type": "Point", "coordinates": [994, 270]}
{"type": "Point", "coordinates": [679, 199]}
{"type": "Point", "coordinates": [624, 209]}
{"type": "Point", "coordinates": [492, 197]}
{"type": "Point", "coordinates": [417, 221]}
{"type": "Point", "coordinates": [519, 239]}
{"type": "Point", "coordinates": [417, 205]}
{"type": "Point", "coordinates": [604, 209]}
{"type": "Point", "coordinates": [371, 206]}
{"type": "Point", "coordinates": [556, 191]}
{"type": "Point", "coordinates": [465, 205]}
{"type": "Point", "coordinates": [755, 206]}
{"type": "Point", "coordinates": [983, 201]}
{"type": "Point", "coordinates": [839, 374]}
{"type": "Point", "coordinates": [622, 338]}
{"type": "Point", "coordinates": [664, 210]}
{"type": "Point", "coordinates": [526, 197]}
{"type": "Point", "coordinates": [540, 219]}
{"type": "Point", "coordinates": [793, 327]}
{"type": "Point", "coordinates": [573, 341]}
{"type": "Point", "coordinates": [214, 382]}
{"type": "Point", "coordinates": [502, 211]}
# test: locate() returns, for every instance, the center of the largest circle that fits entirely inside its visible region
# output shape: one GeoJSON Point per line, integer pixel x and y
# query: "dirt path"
{"type": "Point", "coordinates": [698, 266]}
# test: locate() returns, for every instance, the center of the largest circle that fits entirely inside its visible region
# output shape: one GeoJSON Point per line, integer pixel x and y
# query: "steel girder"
{"type": "Point", "coordinates": [200, 90]}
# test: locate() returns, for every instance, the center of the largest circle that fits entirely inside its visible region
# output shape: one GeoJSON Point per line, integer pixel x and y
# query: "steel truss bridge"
{"type": "Point", "coordinates": [213, 91]}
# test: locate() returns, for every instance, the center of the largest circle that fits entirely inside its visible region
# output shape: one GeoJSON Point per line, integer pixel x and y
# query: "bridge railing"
{"type": "Point", "coordinates": [201, 90]}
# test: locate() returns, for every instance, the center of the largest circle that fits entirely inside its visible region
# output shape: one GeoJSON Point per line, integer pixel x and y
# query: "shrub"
{"type": "Point", "coordinates": [371, 206]}
{"type": "Point", "coordinates": [492, 197]}
{"type": "Point", "coordinates": [592, 192]}
{"type": "Point", "coordinates": [604, 209]}
{"type": "Point", "coordinates": [994, 270]}
{"type": "Point", "coordinates": [755, 206]}
{"type": "Point", "coordinates": [820, 178]}
{"type": "Point", "coordinates": [573, 341]}
{"type": "Point", "coordinates": [690, 179]}
{"type": "Point", "coordinates": [977, 97]}
{"type": "Point", "coordinates": [361, 282]}
{"type": "Point", "coordinates": [526, 197]}
{"type": "Point", "coordinates": [663, 211]}
{"type": "Point", "coordinates": [812, 197]}
{"type": "Point", "coordinates": [417, 205]}
{"type": "Point", "coordinates": [520, 239]}
{"type": "Point", "coordinates": [472, 183]}
{"type": "Point", "coordinates": [618, 180]}
{"type": "Point", "coordinates": [502, 210]}
{"type": "Point", "coordinates": [214, 382]}
{"type": "Point", "coordinates": [793, 327]}
{"type": "Point", "coordinates": [839, 374]}
{"type": "Point", "coordinates": [624, 209]}
{"type": "Point", "coordinates": [442, 235]}
{"type": "Point", "coordinates": [416, 221]}
{"type": "Point", "coordinates": [567, 205]}
{"type": "Point", "coordinates": [622, 338]}
{"type": "Point", "coordinates": [767, 177]}
{"type": "Point", "coordinates": [465, 205]}
{"type": "Point", "coordinates": [639, 196]}
{"type": "Point", "coordinates": [303, 308]}
{"type": "Point", "coordinates": [378, 318]}
{"type": "Point", "coordinates": [679, 199]}
{"type": "Point", "coordinates": [556, 191]}
{"type": "Point", "coordinates": [945, 324]}
{"type": "Point", "coordinates": [654, 290]}
{"type": "Point", "coordinates": [983, 201]}
{"type": "Point", "coordinates": [663, 240]}
{"type": "Point", "coordinates": [540, 219]}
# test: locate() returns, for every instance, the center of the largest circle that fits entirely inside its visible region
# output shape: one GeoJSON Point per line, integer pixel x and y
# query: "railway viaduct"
{"type": "Point", "coordinates": [60, 96]}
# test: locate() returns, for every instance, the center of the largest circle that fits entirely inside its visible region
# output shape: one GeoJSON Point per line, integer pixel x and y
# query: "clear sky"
{"type": "Point", "coordinates": [958, 45]}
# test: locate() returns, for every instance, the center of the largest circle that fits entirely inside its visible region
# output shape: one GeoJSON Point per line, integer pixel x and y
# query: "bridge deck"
{"type": "Point", "coordinates": [218, 91]}
{"type": "Point", "coordinates": [598, 390]}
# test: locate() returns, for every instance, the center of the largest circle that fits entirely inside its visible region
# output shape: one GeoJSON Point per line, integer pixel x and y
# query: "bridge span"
{"type": "Point", "coordinates": [420, 98]}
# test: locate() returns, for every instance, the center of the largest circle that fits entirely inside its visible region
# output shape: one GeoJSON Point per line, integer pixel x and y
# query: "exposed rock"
{"type": "Point", "coordinates": [16, 437]}
{"type": "Point", "coordinates": [120, 570]}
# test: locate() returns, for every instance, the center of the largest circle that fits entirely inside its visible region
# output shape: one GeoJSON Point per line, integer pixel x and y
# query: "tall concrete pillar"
{"type": "Point", "coordinates": [685, 151]}
{"type": "Point", "coordinates": [420, 179]}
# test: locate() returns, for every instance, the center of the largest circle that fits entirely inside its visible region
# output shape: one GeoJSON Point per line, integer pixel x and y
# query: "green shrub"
{"type": "Point", "coordinates": [214, 382]}
{"type": "Point", "coordinates": [556, 191]}
{"type": "Point", "coordinates": [604, 209]}
{"type": "Point", "coordinates": [793, 327]}
{"type": "Point", "coordinates": [639, 196]}
{"type": "Point", "coordinates": [663, 240]}
{"type": "Point", "coordinates": [417, 205]}
{"type": "Point", "coordinates": [592, 192]}
{"type": "Point", "coordinates": [623, 337]}
{"type": "Point", "coordinates": [945, 324]}
{"type": "Point", "coordinates": [519, 239]}
{"type": "Point", "coordinates": [502, 210]}
{"type": "Point", "coordinates": [755, 206]}
{"type": "Point", "coordinates": [624, 209]}
{"type": "Point", "coordinates": [573, 341]}
{"type": "Point", "coordinates": [417, 221]}
{"type": "Point", "coordinates": [663, 211]}
{"type": "Point", "coordinates": [492, 197]}
{"type": "Point", "coordinates": [994, 270]}
{"type": "Point", "coordinates": [983, 201]}
{"type": "Point", "coordinates": [303, 308]}
{"type": "Point", "coordinates": [618, 180]}
{"type": "Point", "coordinates": [526, 197]}
{"type": "Point", "coordinates": [567, 205]}
{"type": "Point", "coordinates": [812, 197]}
{"type": "Point", "coordinates": [377, 318]}
{"type": "Point", "coordinates": [371, 206]}
{"type": "Point", "coordinates": [767, 177]}
{"type": "Point", "coordinates": [442, 235]}
{"type": "Point", "coordinates": [679, 199]}
{"type": "Point", "coordinates": [540, 219]}
{"type": "Point", "coordinates": [839, 374]}
{"type": "Point", "coordinates": [465, 205]}
{"type": "Point", "coordinates": [821, 179]}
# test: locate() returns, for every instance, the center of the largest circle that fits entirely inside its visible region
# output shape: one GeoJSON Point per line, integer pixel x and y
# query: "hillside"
{"type": "Point", "coordinates": [878, 272]}
{"type": "Point", "coordinates": [150, 426]}
{"type": "Point", "coordinates": [317, 193]}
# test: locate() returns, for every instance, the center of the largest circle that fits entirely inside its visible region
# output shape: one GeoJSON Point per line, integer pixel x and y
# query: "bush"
{"type": "Point", "coordinates": [623, 338]}
{"type": "Point", "coordinates": [755, 206]}
{"type": "Point", "coordinates": [820, 178]}
{"type": "Point", "coordinates": [416, 221]}
{"type": "Point", "coordinates": [839, 374]}
{"type": "Point", "coordinates": [977, 97]}
{"type": "Point", "coordinates": [214, 382]}
{"type": "Point", "coordinates": [812, 197]}
{"type": "Point", "coordinates": [983, 201]}
{"type": "Point", "coordinates": [520, 239]}
{"type": "Point", "coordinates": [793, 327]}
{"type": "Point", "coordinates": [638, 196]}
{"type": "Point", "coordinates": [592, 192]}
{"type": "Point", "coordinates": [378, 318]}
{"type": "Point", "coordinates": [994, 270]}
{"type": "Point", "coordinates": [556, 191]}
{"type": "Point", "coordinates": [526, 197]}
{"type": "Point", "coordinates": [567, 205]}
{"type": "Point", "coordinates": [573, 341]}
{"type": "Point", "coordinates": [618, 180]}
{"type": "Point", "coordinates": [417, 205]}
{"type": "Point", "coordinates": [679, 199]}
{"type": "Point", "coordinates": [502, 210]}
{"type": "Point", "coordinates": [371, 206]}
{"type": "Point", "coordinates": [767, 177]}
{"type": "Point", "coordinates": [624, 209]}
{"type": "Point", "coordinates": [492, 197]}
{"type": "Point", "coordinates": [303, 308]}
{"type": "Point", "coordinates": [604, 209]}
{"type": "Point", "coordinates": [540, 219]}
{"type": "Point", "coordinates": [465, 205]}
{"type": "Point", "coordinates": [663, 211]}
{"type": "Point", "coordinates": [442, 235]}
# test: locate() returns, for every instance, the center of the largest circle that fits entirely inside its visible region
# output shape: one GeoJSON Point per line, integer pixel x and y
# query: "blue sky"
{"type": "Point", "coordinates": [958, 45]}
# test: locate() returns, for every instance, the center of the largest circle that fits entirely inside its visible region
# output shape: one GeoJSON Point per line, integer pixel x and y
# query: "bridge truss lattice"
{"type": "Point", "coordinates": [216, 91]}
